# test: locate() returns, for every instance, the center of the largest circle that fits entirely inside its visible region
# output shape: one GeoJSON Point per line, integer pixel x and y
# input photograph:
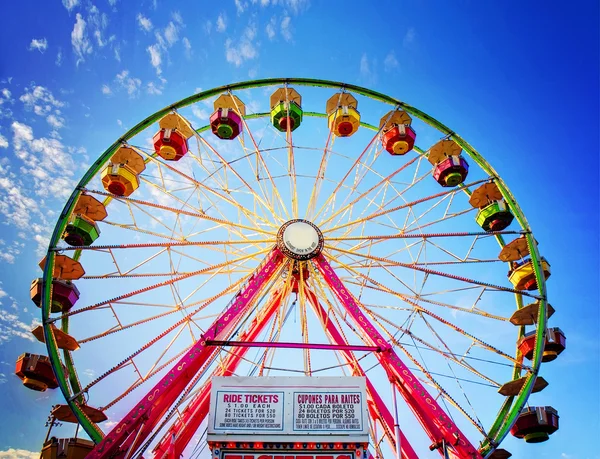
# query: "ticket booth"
{"type": "Point", "coordinates": [288, 418]}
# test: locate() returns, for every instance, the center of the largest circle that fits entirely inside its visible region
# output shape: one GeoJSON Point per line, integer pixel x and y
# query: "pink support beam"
{"type": "Point", "coordinates": [279, 344]}
{"type": "Point", "coordinates": [435, 421]}
{"type": "Point", "coordinates": [131, 432]}
{"type": "Point", "coordinates": [183, 429]}
{"type": "Point", "coordinates": [376, 405]}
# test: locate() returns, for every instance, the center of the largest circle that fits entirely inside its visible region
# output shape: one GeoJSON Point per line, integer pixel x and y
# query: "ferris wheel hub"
{"type": "Point", "coordinates": [300, 239]}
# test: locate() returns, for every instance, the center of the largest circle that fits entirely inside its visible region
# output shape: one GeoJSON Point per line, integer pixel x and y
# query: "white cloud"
{"type": "Point", "coordinates": [171, 34]}
{"type": "Point", "coordinates": [41, 45]}
{"type": "Point", "coordinates": [270, 29]}
{"type": "Point", "coordinates": [12, 453]}
{"type": "Point", "coordinates": [41, 101]}
{"type": "Point", "coordinates": [286, 33]}
{"type": "Point", "coordinates": [55, 121]}
{"type": "Point", "coordinates": [130, 84]}
{"type": "Point", "coordinates": [240, 6]}
{"type": "Point", "coordinates": [12, 326]}
{"type": "Point", "coordinates": [3, 142]}
{"type": "Point", "coordinates": [200, 113]}
{"type": "Point", "coordinates": [59, 58]}
{"type": "Point", "coordinates": [366, 69]}
{"type": "Point", "coordinates": [221, 23]}
{"type": "Point", "coordinates": [187, 46]}
{"type": "Point", "coordinates": [106, 90]}
{"type": "Point", "coordinates": [391, 62]}
{"type": "Point", "coordinates": [144, 22]}
{"type": "Point", "coordinates": [79, 39]}
{"type": "Point", "coordinates": [409, 37]}
{"type": "Point", "coordinates": [176, 15]}
{"type": "Point", "coordinates": [242, 49]}
{"type": "Point", "coordinates": [70, 4]}
{"type": "Point", "coordinates": [112, 2]}
{"type": "Point", "coordinates": [153, 89]}
{"type": "Point", "coordinates": [117, 52]}
{"type": "Point", "coordinates": [155, 57]}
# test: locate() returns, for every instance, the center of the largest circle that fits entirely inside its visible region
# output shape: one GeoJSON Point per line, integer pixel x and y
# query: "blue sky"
{"type": "Point", "coordinates": [518, 81]}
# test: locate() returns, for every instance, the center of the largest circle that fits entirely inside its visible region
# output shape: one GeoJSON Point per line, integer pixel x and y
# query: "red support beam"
{"type": "Point", "coordinates": [376, 405]}
{"type": "Point", "coordinates": [181, 432]}
{"type": "Point", "coordinates": [435, 421]}
{"type": "Point", "coordinates": [137, 425]}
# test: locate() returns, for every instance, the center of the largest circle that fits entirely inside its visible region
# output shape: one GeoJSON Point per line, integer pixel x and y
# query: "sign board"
{"type": "Point", "coordinates": [284, 406]}
{"type": "Point", "coordinates": [288, 455]}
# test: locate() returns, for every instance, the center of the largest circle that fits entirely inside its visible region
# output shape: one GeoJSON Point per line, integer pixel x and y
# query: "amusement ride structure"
{"type": "Point", "coordinates": [293, 227]}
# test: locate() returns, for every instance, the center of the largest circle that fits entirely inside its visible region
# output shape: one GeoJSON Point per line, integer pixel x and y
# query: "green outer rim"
{"type": "Point", "coordinates": [510, 409]}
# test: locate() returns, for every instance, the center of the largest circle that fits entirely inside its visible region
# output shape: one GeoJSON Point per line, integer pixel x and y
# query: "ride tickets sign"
{"type": "Point", "coordinates": [322, 406]}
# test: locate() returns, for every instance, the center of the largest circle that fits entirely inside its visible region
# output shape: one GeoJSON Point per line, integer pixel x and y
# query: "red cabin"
{"type": "Point", "coordinates": [536, 423]}
{"type": "Point", "coordinates": [226, 123]}
{"type": "Point", "coordinates": [556, 342]}
{"type": "Point", "coordinates": [64, 294]}
{"type": "Point", "coordinates": [36, 372]}
{"type": "Point", "coordinates": [451, 171]}
{"type": "Point", "coordinates": [170, 144]}
{"type": "Point", "coordinates": [399, 140]}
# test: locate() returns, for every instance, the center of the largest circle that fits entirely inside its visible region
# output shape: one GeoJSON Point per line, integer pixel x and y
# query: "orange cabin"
{"type": "Point", "coordinates": [556, 342]}
{"type": "Point", "coordinates": [36, 372]}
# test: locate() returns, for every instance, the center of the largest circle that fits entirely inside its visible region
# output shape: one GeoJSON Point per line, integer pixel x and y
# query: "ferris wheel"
{"type": "Point", "coordinates": [295, 227]}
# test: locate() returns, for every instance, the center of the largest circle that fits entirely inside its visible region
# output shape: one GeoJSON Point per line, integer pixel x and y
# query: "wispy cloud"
{"type": "Point", "coordinates": [367, 66]}
{"type": "Point", "coordinates": [286, 32]}
{"type": "Point", "coordinates": [391, 62]}
{"type": "Point", "coordinates": [3, 142]}
{"type": "Point", "coordinates": [242, 49]}
{"type": "Point", "coordinates": [59, 58]}
{"type": "Point", "coordinates": [130, 84]}
{"type": "Point", "coordinates": [222, 23]}
{"type": "Point", "coordinates": [79, 39]}
{"type": "Point", "coordinates": [409, 37]}
{"type": "Point", "coordinates": [40, 45]}
{"type": "Point", "coordinates": [240, 6]}
{"type": "Point", "coordinates": [106, 90]}
{"type": "Point", "coordinates": [43, 103]}
{"type": "Point", "coordinates": [144, 22]}
{"type": "Point", "coordinates": [155, 57]}
{"type": "Point", "coordinates": [187, 46]}
{"type": "Point", "coordinates": [270, 29]}
{"type": "Point", "coordinates": [153, 89]}
{"type": "Point", "coordinates": [70, 4]}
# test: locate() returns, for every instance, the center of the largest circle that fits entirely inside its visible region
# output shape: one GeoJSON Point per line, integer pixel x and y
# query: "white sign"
{"type": "Point", "coordinates": [331, 410]}
{"type": "Point", "coordinates": [282, 406]}
{"type": "Point", "coordinates": [249, 410]}
{"type": "Point", "coordinates": [288, 455]}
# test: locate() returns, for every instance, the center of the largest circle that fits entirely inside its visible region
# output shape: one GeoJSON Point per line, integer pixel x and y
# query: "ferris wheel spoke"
{"type": "Point", "coordinates": [182, 323]}
{"type": "Point", "coordinates": [266, 206]}
{"type": "Point", "coordinates": [346, 175]}
{"type": "Point", "coordinates": [437, 427]}
{"type": "Point", "coordinates": [223, 198]}
{"type": "Point", "coordinates": [432, 272]}
{"type": "Point", "coordinates": [422, 298]}
{"type": "Point", "coordinates": [182, 212]}
{"type": "Point", "coordinates": [447, 354]}
{"type": "Point", "coordinates": [403, 206]}
{"type": "Point", "coordinates": [336, 336]}
{"type": "Point", "coordinates": [157, 285]}
{"type": "Point", "coordinates": [320, 175]}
